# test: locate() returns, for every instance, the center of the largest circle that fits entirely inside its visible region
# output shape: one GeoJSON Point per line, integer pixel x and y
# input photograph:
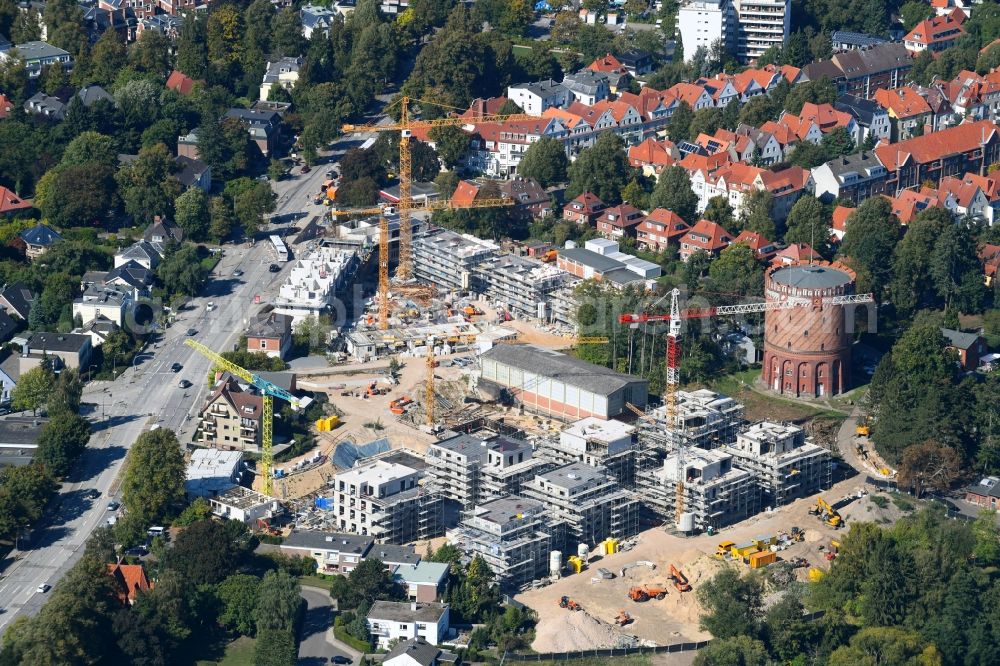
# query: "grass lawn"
{"type": "Point", "coordinates": [759, 405]}
{"type": "Point", "coordinates": [237, 653]}
{"type": "Point", "coordinates": [518, 48]}
{"type": "Point", "coordinates": [316, 581]}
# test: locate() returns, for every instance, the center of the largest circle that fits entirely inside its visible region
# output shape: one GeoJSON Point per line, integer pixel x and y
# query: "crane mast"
{"type": "Point", "coordinates": [405, 270]}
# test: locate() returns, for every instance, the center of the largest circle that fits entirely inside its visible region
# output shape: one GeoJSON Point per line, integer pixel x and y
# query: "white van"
{"type": "Point", "coordinates": [154, 532]}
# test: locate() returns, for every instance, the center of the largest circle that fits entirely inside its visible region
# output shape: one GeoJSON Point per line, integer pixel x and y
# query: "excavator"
{"type": "Point", "coordinates": [827, 513]}
{"type": "Point", "coordinates": [569, 604]}
{"type": "Point", "coordinates": [623, 618]}
{"type": "Point", "coordinates": [646, 593]}
{"type": "Point", "coordinates": [680, 580]}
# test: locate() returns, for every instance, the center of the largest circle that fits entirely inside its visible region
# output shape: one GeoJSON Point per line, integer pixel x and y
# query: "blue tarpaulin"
{"type": "Point", "coordinates": [348, 453]}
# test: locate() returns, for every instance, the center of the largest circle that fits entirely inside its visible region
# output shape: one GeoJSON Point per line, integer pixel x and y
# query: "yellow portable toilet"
{"type": "Point", "coordinates": [321, 425]}
{"type": "Point", "coordinates": [610, 546]}
{"type": "Point", "coordinates": [575, 562]}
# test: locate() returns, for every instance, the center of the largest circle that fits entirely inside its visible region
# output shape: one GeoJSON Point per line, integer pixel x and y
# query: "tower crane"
{"type": "Point", "coordinates": [269, 391]}
{"type": "Point", "coordinates": [429, 394]}
{"type": "Point", "coordinates": [674, 319]}
{"type": "Point", "coordinates": [383, 241]}
{"type": "Point", "coordinates": [405, 127]}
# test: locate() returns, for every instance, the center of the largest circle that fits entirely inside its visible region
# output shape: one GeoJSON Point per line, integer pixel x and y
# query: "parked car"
{"type": "Point", "coordinates": [237, 273]}
{"type": "Point", "coordinates": [113, 505]}
{"type": "Point", "coordinates": [191, 332]}
{"type": "Point", "coordinates": [43, 588]}
{"type": "Point", "coordinates": [184, 384]}
{"type": "Point", "coordinates": [274, 268]}
{"type": "Point", "coordinates": [341, 659]}
{"type": "Point", "coordinates": [210, 306]}
{"type": "Point", "coordinates": [176, 367]}
{"type": "Point", "coordinates": [305, 168]}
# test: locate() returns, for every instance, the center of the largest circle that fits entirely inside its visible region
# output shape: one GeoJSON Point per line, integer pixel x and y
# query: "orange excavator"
{"type": "Point", "coordinates": [680, 580]}
{"type": "Point", "coordinates": [646, 593]}
{"type": "Point", "coordinates": [623, 618]}
{"type": "Point", "coordinates": [569, 604]}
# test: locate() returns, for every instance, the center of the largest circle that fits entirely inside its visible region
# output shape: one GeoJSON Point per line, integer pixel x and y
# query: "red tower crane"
{"type": "Point", "coordinates": [674, 318]}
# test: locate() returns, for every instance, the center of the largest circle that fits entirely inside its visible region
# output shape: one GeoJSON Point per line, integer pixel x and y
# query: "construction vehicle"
{"type": "Point", "coordinates": [863, 429]}
{"type": "Point", "coordinates": [724, 549]}
{"type": "Point", "coordinates": [673, 365]}
{"type": "Point", "coordinates": [550, 256]}
{"type": "Point", "coordinates": [798, 534]}
{"type": "Point", "coordinates": [471, 311]}
{"type": "Point", "coordinates": [569, 604]}
{"type": "Point", "coordinates": [826, 513]}
{"type": "Point", "coordinates": [680, 580]}
{"type": "Point", "coordinates": [640, 594]}
{"type": "Point", "coordinates": [623, 618]}
{"type": "Point", "coordinates": [268, 392]}
{"type": "Point", "coordinates": [264, 526]}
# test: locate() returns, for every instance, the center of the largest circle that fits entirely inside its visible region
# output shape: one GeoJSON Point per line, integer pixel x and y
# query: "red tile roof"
{"type": "Point", "coordinates": [687, 92]}
{"type": "Point", "coordinates": [990, 256]}
{"type": "Point", "coordinates": [909, 203]}
{"type": "Point", "coordinates": [654, 153]}
{"type": "Point", "coordinates": [590, 201]}
{"type": "Point", "coordinates": [762, 247]}
{"type": "Point", "coordinates": [988, 184]}
{"type": "Point", "coordinates": [621, 217]}
{"type": "Point", "coordinates": [484, 107]}
{"type": "Point", "coordinates": [609, 64]}
{"type": "Point", "coordinates": [840, 215]}
{"type": "Point", "coordinates": [962, 190]}
{"type": "Point", "coordinates": [903, 102]}
{"type": "Point", "coordinates": [130, 579]}
{"type": "Point", "coordinates": [672, 223]}
{"type": "Point", "coordinates": [708, 236]}
{"type": "Point", "coordinates": [5, 107]}
{"type": "Point", "coordinates": [180, 82]}
{"type": "Point", "coordinates": [938, 30]}
{"type": "Point", "coordinates": [9, 202]}
{"type": "Point", "coordinates": [465, 194]}
{"type": "Point", "coordinates": [795, 253]}
{"type": "Point", "coordinates": [825, 116]}
{"type": "Point", "coordinates": [930, 147]}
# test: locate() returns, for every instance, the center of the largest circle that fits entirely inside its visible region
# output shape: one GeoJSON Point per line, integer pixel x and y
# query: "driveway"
{"type": "Point", "coordinates": [317, 644]}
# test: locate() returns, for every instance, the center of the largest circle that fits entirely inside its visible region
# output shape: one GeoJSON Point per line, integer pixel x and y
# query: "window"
{"type": "Point", "coordinates": [263, 344]}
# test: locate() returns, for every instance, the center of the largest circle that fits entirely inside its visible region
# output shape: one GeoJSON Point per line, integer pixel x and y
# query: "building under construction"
{"type": "Point", "coordinates": [448, 260]}
{"type": "Point", "coordinates": [610, 445]}
{"type": "Point", "coordinates": [716, 493]}
{"type": "Point", "coordinates": [389, 501]}
{"type": "Point", "coordinates": [477, 467]}
{"type": "Point", "coordinates": [520, 285]}
{"type": "Point", "coordinates": [785, 464]}
{"type": "Point", "coordinates": [512, 534]}
{"type": "Point", "coordinates": [584, 505]}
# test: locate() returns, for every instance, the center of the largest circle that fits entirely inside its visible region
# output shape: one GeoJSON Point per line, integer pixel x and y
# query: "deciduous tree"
{"type": "Point", "coordinates": [602, 169]}
{"type": "Point", "coordinates": [673, 192]}
{"type": "Point", "coordinates": [153, 484]}
{"type": "Point", "coordinates": [545, 161]}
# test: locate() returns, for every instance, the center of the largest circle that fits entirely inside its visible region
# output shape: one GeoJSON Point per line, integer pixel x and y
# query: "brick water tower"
{"type": "Point", "coordinates": [807, 349]}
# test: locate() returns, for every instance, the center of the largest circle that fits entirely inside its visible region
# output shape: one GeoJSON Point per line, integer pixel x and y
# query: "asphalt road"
{"type": "Point", "coordinates": [316, 644]}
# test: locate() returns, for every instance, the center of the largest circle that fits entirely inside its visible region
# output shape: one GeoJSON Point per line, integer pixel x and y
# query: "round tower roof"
{"type": "Point", "coordinates": [811, 277]}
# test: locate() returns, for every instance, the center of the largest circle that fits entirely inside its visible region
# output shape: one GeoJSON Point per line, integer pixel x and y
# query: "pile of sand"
{"type": "Point", "coordinates": [577, 630]}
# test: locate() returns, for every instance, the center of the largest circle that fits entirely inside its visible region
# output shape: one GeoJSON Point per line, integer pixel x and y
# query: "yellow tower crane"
{"type": "Point", "coordinates": [269, 392]}
{"type": "Point", "coordinates": [429, 395]}
{"type": "Point", "coordinates": [405, 127]}
{"type": "Point", "coordinates": [383, 241]}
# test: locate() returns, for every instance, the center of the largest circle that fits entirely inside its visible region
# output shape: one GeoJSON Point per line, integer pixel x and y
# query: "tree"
{"type": "Point", "coordinates": [705, 121]}
{"type": "Point", "coordinates": [928, 466]}
{"type": "Point", "coordinates": [736, 651]}
{"type": "Point", "coordinates": [61, 442]}
{"type": "Point", "coordinates": [808, 155]}
{"type": "Point", "coordinates": [90, 148]}
{"type": "Point", "coordinates": [913, 12]}
{"type": "Point", "coordinates": [278, 602]}
{"type": "Point", "coordinates": [251, 206]}
{"type": "Point", "coordinates": [719, 211]}
{"type": "Point", "coordinates": [203, 552]}
{"type": "Point", "coordinates": [275, 648]}
{"type": "Point", "coordinates": [369, 581]}
{"type": "Point", "coordinates": [192, 214]}
{"type": "Point", "coordinates": [451, 143]}
{"type": "Point", "coordinates": [153, 484]}
{"type": "Point", "coordinates": [869, 241]}
{"type": "Point", "coordinates": [78, 195]}
{"type": "Point", "coordinates": [24, 493]}
{"type": "Point", "coordinates": [837, 142]}
{"type": "Point", "coordinates": [545, 161]}
{"type": "Point", "coordinates": [287, 37]}
{"type": "Point", "coordinates": [889, 645]}
{"type": "Point", "coordinates": [423, 162]}
{"type": "Point", "coordinates": [731, 604]}
{"type": "Point", "coordinates": [673, 192]}
{"type": "Point", "coordinates": [181, 271]}
{"type": "Point", "coordinates": [955, 269]}
{"type": "Point", "coordinates": [809, 222]}
{"type": "Point", "coordinates": [275, 170]}
{"type": "Point", "coordinates": [679, 126]}
{"type": "Point", "coordinates": [33, 389]}
{"type": "Point", "coordinates": [148, 185]}
{"type": "Point", "coordinates": [756, 213]}
{"type": "Point", "coordinates": [151, 53]}
{"type": "Point", "coordinates": [602, 169]}
{"type": "Point", "coordinates": [912, 285]}
{"type": "Point", "coordinates": [220, 224]}
{"type": "Point", "coordinates": [820, 91]}
{"type": "Point", "coordinates": [107, 58]}
{"type": "Point", "coordinates": [738, 270]}
{"type": "Point", "coordinates": [238, 596]}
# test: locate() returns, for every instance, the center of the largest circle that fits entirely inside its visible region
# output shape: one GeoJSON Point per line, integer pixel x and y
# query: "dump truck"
{"type": "Point", "coordinates": [646, 593]}
{"type": "Point", "coordinates": [569, 604]}
{"type": "Point", "coordinates": [680, 580]}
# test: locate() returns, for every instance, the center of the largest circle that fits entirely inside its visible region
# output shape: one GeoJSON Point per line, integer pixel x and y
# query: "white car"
{"type": "Point", "coordinates": [43, 588]}
{"type": "Point", "coordinates": [210, 306]}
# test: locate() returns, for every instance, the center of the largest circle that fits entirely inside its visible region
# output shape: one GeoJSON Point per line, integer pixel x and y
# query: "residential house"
{"type": "Point", "coordinates": [970, 347]}
{"type": "Point", "coordinates": [802, 129]}
{"type": "Point", "coordinates": [838, 225]}
{"type": "Point", "coordinates": [231, 417]}
{"type": "Point", "coordinates": [534, 98]}
{"type": "Point", "coordinates": [129, 581]}
{"type": "Point", "coordinates": [90, 95]}
{"type": "Point", "coordinates": [654, 107]}
{"type": "Point", "coordinates": [423, 581]}
{"type": "Point", "coordinates": [585, 209]}
{"type": "Point", "coordinates": [943, 7]}
{"type": "Point", "coordinates": [653, 156]}
{"type": "Point", "coordinates": [8, 326]}
{"type": "Point", "coordinates": [704, 236]}
{"type": "Point", "coordinates": [108, 301]}
{"type": "Point", "coordinates": [736, 181]}
{"type": "Point", "coordinates": [618, 75]}
{"type": "Point", "coordinates": [989, 256]}
{"type": "Point", "coordinates": [283, 73]}
{"type": "Point", "coordinates": [5, 107]}
{"type": "Point", "coordinates": [587, 86]}
{"type": "Point", "coordinates": [829, 118]}
{"type": "Point", "coordinates": [36, 55]}
{"type": "Point", "coordinates": [660, 229]}
{"type": "Point", "coordinates": [970, 147]}
{"type": "Point", "coordinates": [270, 333]}
{"type": "Point", "coordinates": [796, 253]}
{"type": "Point", "coordinates": [636, 61]}
{"type": "Point", "coordinates": [908, 110]}
{"type": "Point", "coordinates": [619, 222]}
{"type": "Point", "coordinates": [162, 233]}
{"type": "Point", "coordinates": [9, 374]}
{"type": "Point", "coordinates": [967, 197]}
{"type": "Point", "coordinates": [16, 299]}
{"type": "Point", "coordinates": [390, 621]}
{"type": "Point", "coordinates": [852, 178]}
{"type": "Point", "coordinates": [909, 203]}
{"type": "Point", "coordinates": [417, 652]}
{"type": "Point", "coordinates": [334, 553]}
{"type": "Point", "coordinates": [164, 24]}
{"type": "Point", "coordinates": [764, 146]}
{"type": "Point", "coordinates": [872, 120]}
{"type": "Point", "coordinates": [986, 493]}
{"type": "Point", "coordinates": [722, 92]}
{"type": "Point", "coordinates": [504, 144]}
{"type": "Point", "coordinates": [316, 18]}
{"type": "Point", "coordinates": [10, 203]}
{"type": "Point", "coordinates": [193, 173]}
{"type": "Point", "coordinates": [863, 71]}
{"type": "Point", "coordinates": [187, 145]}
{"type": "Point", "coordinates": [695, 96]}
{"type": "Point", "coordinates": [763, 249]}
{"type": "Point", "coordinates": [936, 34]}
{"type": "Point", "coordinates": [38, 239]}
{"type": "Point", "coordinates": [142, 253]}
{"type": "Point", "coordinates": [98, 329]}
{"type": "Point", "coordinates": [44, 105]}
{"type": "Point", "coordinates": [842, 40]}
{"type": "Point", "coordinates": [991, 189]}
{"type": "Point", "coordinates": [264, 127]}
{"type": "Point", "coordinates": [72, 350]}
{"type": "Point", "coordinates": [180, 83]}
{"type": "Point", "coordinates": [531, 201]}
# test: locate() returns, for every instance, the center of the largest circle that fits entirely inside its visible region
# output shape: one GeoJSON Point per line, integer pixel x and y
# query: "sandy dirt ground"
{"type": "Point", "coordinates": [530, 334]}
{"type": "Point", "coordinates": [675, 618]}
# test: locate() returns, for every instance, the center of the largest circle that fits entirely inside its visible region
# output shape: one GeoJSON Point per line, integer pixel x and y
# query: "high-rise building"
{"type": "Point", "coordinates": [761, 24]}
{"type": "Point", "coordinates": [702, 23]}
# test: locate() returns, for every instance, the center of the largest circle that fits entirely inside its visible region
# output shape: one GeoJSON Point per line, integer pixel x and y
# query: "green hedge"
{"type": "Point", "coordinates": [341, 635]}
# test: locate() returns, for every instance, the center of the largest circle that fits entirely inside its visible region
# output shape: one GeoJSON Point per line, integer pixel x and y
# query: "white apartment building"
{"type": "Point", "coordinates": [390, 621]}
{"type": "Point", "coordinates": [761, 24]}
{"type": "Point", "coordinates": [313, 282]}
{"type": "Point", "coordinates": [534, 98]}
{"type": "Point", "coordinates": [701, 23]}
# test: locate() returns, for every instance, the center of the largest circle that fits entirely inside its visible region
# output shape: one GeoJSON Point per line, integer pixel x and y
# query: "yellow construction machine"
{"type": "Point", "coordinates": [827, 513]}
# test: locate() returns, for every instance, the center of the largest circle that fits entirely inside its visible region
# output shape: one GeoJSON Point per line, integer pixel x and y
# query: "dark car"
{"type": "Point", "coordinates": [274, 268]}
{"type": "Point", "coordinates": [184, 384]}
{"type": "Point", "coordinates": [191, 332]}
{"type": "Point", "coordinates": [340, 659]}
{"type": "Point", "coordinates": [306, 168]}
{"type": "Point", "coordinates": [176, 367]}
